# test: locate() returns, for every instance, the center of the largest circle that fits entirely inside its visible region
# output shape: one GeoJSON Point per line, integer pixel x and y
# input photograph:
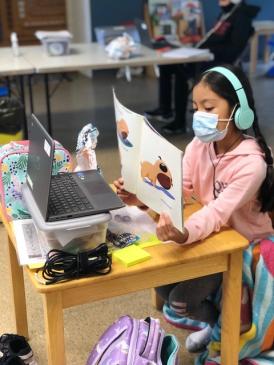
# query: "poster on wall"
{"type": "Point", "coordinates": [179, 19]}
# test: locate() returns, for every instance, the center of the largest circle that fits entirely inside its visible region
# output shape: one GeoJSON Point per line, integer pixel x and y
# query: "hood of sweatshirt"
{"type": "Point", "coordinates": [250, 11]}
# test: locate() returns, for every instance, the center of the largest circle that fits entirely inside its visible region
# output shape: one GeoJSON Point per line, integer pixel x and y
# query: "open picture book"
{"type": "Point", "coordinates": [150, 165]}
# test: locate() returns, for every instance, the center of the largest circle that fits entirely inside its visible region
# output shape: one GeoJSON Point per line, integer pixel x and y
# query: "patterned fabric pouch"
{"type": "Point", "coordinates": [13, 162]}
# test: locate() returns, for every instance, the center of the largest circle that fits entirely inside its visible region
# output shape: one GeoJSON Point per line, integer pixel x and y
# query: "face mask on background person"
{"type": "Point", "coordinates": [205, 126]}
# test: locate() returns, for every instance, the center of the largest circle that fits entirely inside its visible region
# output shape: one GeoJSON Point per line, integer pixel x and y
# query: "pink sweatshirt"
{"type": "Point", "coordinates": [238, 177]}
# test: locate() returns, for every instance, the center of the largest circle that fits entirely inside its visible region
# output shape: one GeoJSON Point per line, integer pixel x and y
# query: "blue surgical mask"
{"type": "Point", "coordinates": [205, 126]}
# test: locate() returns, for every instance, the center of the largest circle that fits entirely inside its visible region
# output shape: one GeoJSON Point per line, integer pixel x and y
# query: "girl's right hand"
{"type": "Point", "coordinates": [128, 198]}
{"type": "Point", "coordinates": [166, 231]}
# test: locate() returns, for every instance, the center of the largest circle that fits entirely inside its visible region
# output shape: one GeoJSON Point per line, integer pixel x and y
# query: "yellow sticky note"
{"type": "Point", "coordinates": [148, 241]}
{"type": "Point", "coordinates": [131, 255]}
{"type": "Point", "coordinates": [36, 266]}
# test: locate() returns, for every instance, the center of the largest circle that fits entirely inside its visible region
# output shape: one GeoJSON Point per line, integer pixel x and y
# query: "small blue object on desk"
{"type": "Point", "coordinates": [270, 72]}
{"type": "Point", "coordinates": [4, 91]}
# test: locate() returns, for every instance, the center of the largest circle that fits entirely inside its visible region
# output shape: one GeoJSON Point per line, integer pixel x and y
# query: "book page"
{"type": "Point", "coordinates": [129, 127]}
{"type": "Point", "coordinates": [32, 246]}
{"type": "Point", "coordinates": [160, 175]}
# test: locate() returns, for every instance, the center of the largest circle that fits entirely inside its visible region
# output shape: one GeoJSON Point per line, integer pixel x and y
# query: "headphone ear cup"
{"type": "Point", "coordinates": [237, 118]}
{"type": "Point", "coordinates": [244, 118]}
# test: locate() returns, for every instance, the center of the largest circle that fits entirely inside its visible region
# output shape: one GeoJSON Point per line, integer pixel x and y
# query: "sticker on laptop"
{"type": "Point", "coordinates": [81, 175]}
{"type": "Point", "coordinates": [47, 147]}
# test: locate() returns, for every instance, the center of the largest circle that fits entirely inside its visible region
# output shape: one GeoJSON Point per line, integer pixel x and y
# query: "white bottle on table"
{"type": "Point", "coordinates": [14, 44]}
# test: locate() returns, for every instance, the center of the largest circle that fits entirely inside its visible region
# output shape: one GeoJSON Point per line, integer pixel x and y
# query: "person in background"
{"type": "Point", "coordinates": [226, 41]}
{"type": "Point", "coordinates": [231, 174]}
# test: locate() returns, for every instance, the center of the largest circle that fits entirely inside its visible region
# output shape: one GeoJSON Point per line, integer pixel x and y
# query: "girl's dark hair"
{"type": "Point", "coordinates": [222, 87]}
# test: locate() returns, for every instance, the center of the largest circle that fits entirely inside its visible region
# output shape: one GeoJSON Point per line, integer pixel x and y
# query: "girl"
{"type": "Point", "coordinates": [230, 173]}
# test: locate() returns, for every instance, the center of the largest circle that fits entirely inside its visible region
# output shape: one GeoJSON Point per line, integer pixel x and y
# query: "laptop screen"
{"type": "Point", "coordinates": [143, 33]}
{"type": "Point", "coordinates": [40, 159]}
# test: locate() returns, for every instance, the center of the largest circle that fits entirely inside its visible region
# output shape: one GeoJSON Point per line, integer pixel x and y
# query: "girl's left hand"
{"type": "Point", "coordinates": [166, 231]}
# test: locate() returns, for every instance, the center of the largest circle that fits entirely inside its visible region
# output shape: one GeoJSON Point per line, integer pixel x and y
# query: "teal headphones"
{"type": "Point", "coordinates": [244, 115]}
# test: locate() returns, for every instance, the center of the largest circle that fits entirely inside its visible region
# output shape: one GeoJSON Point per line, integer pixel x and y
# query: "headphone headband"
{"type": "Point", "coordinates": [244, 115]}
{"type": "Point", "coordinates": [235, 82]}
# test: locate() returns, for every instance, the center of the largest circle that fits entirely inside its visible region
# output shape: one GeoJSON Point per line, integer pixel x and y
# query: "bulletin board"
{"type": "Point", "coordinates": [181, 19]}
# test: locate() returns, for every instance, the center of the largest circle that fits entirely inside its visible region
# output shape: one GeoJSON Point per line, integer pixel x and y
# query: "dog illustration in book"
{"type": "Point", "coordinates": [123, 132]}
{"type": "Point", "coordinates": [156, 172]}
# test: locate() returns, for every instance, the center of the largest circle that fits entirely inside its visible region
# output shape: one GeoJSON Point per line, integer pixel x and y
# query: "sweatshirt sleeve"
{"type": "Point", "coordinates": [243, 187]}
{"type": "Point", "coordinates": [187, 181]}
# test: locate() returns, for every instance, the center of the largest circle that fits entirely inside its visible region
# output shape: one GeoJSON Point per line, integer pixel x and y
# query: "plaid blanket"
{"type": "Point", "coordinates": [257, 308]}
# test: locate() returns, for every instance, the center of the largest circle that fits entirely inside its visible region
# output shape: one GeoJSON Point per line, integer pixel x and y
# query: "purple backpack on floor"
{"type": "Point", "coordinates": [130, 341]}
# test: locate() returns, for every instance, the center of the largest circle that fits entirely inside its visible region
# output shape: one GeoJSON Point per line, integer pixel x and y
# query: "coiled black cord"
{"type": "Point", "coordinates": [63, 266]}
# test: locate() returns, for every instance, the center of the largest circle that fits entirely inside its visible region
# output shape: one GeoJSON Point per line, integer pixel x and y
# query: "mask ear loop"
{"type": "Point", "coordinates": [231, 115]}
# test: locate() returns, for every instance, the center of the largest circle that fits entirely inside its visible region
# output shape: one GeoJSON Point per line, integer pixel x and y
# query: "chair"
{"type": "Point", "coordinates": [262, 28]}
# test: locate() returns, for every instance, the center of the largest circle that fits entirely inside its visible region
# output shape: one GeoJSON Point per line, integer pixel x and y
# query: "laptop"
{"type": "Point", "coordinates": [104, 35]}
{"type": "Point", "coordinates": [65, 195]}
{"type": "Point", "coordinates": [151, 43]}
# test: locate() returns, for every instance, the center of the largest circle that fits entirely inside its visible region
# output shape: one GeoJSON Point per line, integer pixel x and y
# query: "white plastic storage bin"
{"type": "Point", "coordinates": [55, 46]}
{"type": "Point", "coordinates": [55, 43]}
{"type": "Point", "coordinates": [83, 237]}
{"type": "Point", "coordinates": [92, 229]}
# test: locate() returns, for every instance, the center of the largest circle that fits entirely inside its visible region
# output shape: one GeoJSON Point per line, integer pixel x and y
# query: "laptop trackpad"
{"type": "Point", "coordinates": [96, 189]}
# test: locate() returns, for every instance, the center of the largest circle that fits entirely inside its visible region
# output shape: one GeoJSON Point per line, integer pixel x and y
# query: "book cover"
{"type": "Point", "coordinates": [151, 166]}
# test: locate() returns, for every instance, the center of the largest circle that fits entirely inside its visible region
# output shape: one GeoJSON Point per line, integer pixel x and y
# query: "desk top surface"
{"type": "Point", "coordinates": [11, 65]}
{"type": "Point", "coordinates": [93, 56]}
{"type": "Point", "coordinates": [263, 25]}
{"type": "Point", "coordinates": [163, 256]}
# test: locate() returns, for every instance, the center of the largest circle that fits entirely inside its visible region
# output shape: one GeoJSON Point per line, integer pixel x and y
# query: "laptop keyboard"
{"type": "Point", "coordinates": [66, 197]}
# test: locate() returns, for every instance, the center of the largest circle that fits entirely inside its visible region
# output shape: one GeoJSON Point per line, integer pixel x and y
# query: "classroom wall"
{"type": "Point", "coordinates": [117, 12]}
{"type": "Point", "coordinates": [109, 12]}
{"type": "Point", "coordinates": [79, 20]}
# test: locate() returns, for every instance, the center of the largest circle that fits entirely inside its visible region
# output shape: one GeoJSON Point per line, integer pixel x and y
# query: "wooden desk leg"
{"type": "Point", "coordinates": [253, 55]}
{"type": "Point", "coordinates": [231, 307]}
{"type": "Point", "coordinates": [54, 327]}
{"type": "Point", "coordinates": [157, 302]}
{"type": "Point", "coordinates": [18, 292]}
{"type": "Point", "coordinates": [266, 48]}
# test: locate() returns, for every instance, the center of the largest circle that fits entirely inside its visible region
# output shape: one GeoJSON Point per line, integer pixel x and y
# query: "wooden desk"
{"type": "Point", "coordinates": [86, 56]}
{"type": "Point", "coordinates": [13, 66]}
{"type": "Point", "coordinates": [221, 252]}
{"type": "Point", "coordinates": [262, 28]}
